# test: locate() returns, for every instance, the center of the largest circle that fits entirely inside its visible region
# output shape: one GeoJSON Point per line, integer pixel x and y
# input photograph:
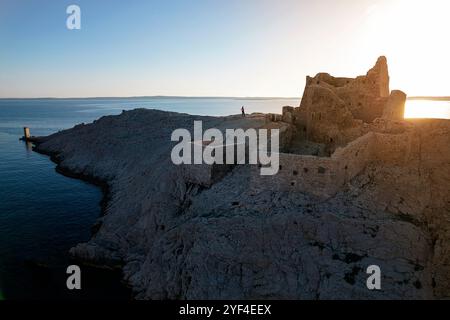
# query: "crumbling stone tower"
{"type": "Point", "coordinates": [335, 111]}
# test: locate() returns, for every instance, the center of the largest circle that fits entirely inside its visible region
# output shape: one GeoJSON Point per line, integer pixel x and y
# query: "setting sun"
{"type": "Point", "coordinates": [410, 34]}
{"type": "Point", "coordinates": [427, 109]}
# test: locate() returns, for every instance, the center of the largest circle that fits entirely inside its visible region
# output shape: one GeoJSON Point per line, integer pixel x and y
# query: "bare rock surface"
{"type": "Point", "coordinates": [359, 187]}
{"type": "Point", "coordinates": [177, 240]}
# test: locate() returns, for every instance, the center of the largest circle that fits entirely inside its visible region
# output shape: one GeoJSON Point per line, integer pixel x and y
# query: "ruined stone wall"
{"type": "Point", "coordinates": [325, 176]}
{"type": "Point", "coordinates": [335, 111]}
{"type": "Point", "coordinates": [352, 159]}
{"type": "Point", "coordinates": [309, 174]}
{"type": "Point", "coordinates": [204, 175]}
{"type": "Point", "coordinates": [395, 149]}
{"type": "Point", "coordinates": [320, 176]}
{"type": "Point", "coordinates": [364, 96]}
{"type": "Point", "coordinates": [395, 106]}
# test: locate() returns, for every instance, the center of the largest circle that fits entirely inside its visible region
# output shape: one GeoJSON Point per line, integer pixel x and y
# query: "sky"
{"type": "Point", "coordinates": [240, 48]}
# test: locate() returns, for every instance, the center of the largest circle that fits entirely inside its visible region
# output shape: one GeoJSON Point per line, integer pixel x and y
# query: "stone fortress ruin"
{"type": "Point", "coordinates": [341, 126]}
{"type": "Point", "coordinates": [335, 111]}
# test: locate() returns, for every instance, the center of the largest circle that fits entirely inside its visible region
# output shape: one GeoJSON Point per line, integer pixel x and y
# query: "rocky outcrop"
{"type": "Point", "coordinates": [234, 239]}
{"type": "Point", "coordinates": [364, 187]}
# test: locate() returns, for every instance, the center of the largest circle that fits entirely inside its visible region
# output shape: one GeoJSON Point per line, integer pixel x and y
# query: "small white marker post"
{"type": "Point", "coordinates": [26, 133]}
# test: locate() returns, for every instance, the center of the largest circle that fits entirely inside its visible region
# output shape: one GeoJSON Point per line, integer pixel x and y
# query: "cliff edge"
{"type": "Point", "coordinates": [290, 236]}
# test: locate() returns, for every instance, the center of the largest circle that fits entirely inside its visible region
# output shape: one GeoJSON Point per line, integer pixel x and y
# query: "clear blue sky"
{"type": "Point", "coordinates": [217, 47]}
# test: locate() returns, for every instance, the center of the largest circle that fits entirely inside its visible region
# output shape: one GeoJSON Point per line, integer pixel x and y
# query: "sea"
{"type": "Point", "coordinates": [43, 214]}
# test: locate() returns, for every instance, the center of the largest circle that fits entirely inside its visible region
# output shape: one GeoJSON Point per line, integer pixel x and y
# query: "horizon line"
{"type": "Point", "coordinates": [194, 97]}
{"type": "Point", "coordinates": [429, 97]}
{"type": "Point", "coordinates": [154, 96]}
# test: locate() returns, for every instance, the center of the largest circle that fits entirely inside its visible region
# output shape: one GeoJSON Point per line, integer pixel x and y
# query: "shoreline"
{"type": "Point", "coordinates": [59, 213]}
{"type": "Point", "coordinates": [103, 185]}
{"type": "Point", "coordinates": [115, 270]}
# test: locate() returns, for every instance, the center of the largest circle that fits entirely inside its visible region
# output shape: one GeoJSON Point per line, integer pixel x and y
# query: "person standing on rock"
{"type": "Point", "coordinates": [243, 111]}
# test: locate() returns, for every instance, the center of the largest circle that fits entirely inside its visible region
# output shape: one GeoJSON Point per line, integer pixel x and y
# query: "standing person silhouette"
{"type": "Point", "coordinates": [243, 111]}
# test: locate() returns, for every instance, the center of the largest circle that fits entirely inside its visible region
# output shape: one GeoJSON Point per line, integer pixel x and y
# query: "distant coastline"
{"type": "Point", "coordinates": [433, 98]}
{"type": "Point", "coordinates": [155, 97]}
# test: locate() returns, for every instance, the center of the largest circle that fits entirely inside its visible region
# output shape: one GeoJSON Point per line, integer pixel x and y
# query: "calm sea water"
{"type": "Point", "coordinates": [43, 214]}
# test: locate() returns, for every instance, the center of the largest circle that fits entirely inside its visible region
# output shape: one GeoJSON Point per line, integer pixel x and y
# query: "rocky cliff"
{"type": "Point", "coordinates": [361, 186]}
{"type": "Point", "coordinates": [176, 240]}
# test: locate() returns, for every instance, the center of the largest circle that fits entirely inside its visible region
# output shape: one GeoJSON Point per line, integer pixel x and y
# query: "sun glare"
{"type": "Point", "coordinates": [409, 33]}
{"type": "Point", "coordinates": [427, 109]}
